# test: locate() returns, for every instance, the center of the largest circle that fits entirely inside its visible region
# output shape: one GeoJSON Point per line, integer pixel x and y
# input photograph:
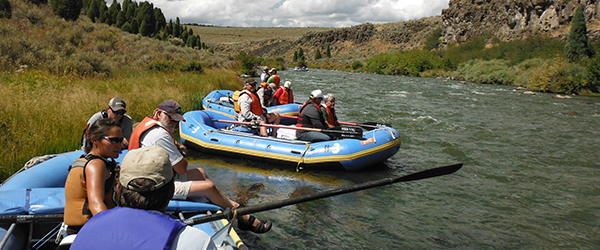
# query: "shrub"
{"type": "Point", "coordinates": [594, 74]}
{"type": "Point", "coordinates": [558, 76]}
{"type": "Point", "coordinates": [490, 72]}
{"type": "Point", "coordinates": [357, 65]}
{"type": "Point", "coordinates": [192, 66]}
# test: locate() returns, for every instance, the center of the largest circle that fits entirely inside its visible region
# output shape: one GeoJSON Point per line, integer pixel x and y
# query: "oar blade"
{"type": "Point", "coordinates": [434, 172]}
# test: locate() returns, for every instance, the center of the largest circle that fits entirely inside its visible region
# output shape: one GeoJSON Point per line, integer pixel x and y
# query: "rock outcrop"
{"type": "Point", "coordinates": [514, 19]}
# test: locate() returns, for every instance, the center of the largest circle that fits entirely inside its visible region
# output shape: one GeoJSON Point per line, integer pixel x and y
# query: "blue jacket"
{"type": "Point", "coordinates": [128, 228]}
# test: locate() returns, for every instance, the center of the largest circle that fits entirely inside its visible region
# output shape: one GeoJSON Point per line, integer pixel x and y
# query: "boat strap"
{"type": "Point", "coordinates": [298, 168]}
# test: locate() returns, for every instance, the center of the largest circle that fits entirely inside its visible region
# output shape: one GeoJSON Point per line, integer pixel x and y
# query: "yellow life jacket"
{"type": "Point", "coordinates": [235, 97]}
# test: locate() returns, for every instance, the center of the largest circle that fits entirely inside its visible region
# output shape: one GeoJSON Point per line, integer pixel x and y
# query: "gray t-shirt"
{"type": "Point", "coordinates": [159, 136]}
{"type": "Point", "coordinates": [245, 101]}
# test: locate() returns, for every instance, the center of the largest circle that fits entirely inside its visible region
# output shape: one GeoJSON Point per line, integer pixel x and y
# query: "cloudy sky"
{"type": "Point", "coordinates": [297, 13]}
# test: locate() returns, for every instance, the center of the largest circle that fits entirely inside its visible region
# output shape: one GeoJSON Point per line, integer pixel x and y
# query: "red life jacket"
{"type": "Point", "coordinates": [276, 80]}
{"type": "Point", "coordinates": [144, 125]}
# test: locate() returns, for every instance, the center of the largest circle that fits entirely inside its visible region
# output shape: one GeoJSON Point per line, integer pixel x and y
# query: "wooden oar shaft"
{"type": "Point", "coordinates": [434, 172]}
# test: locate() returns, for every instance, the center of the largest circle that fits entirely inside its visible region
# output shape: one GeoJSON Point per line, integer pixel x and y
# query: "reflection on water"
{"type": "Point", "coordinates": [529, 180]}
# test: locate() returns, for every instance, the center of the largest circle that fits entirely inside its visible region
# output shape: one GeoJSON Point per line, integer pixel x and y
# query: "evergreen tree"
{"type": "Point", "coordinates": [594, 74]}
{"type": "Point", "coordinates": [328, 52]}
{"type": "Point", "coordinates": [198, 42]}
{"type": "Point", "coordinates": [301, 54]}
{"type": "Point", "coordinates": [577, 41]}
{"type": "Point", "coordinates": [93, 11]}
{"type": "Point", "coordinates": [114, 10]}
{"type": "Point", "coordinates": [5, 9]}
{"type": "Point", "coordinates": [126, 27]}
{"type": "Point", "coordinates": [161, 21]}
{"type": "Point", "coordinates": [184, 35]}
{"type": "Point", "coordinates": [317, 54]}
{"type": "Point", "coordinates": [177, 29]}
{"type": "Point", "coordinates": [121, 19]}
{"type": "Point", "coordinates": [295, 58]}
{"type": "Point", "coordinates": [135, 27]}
{"type": "Point", "coordinates": [169, 27]}
{"type": "Point", "coordinates": [145, 28]}
{"type": "Point", "coordinates": [67, 9]}
{"type": "Point", "coordinates": [145, 13]}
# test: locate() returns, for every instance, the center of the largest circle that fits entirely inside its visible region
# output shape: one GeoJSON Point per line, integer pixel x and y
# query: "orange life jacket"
{"type": "Point", "coordinates": [276, 80]}
{"type": "Point", "coordinates": [144, 125]}
{"type": "Point", "coordinates": [331, 117]}
{"type": "Point", "coordinates": [255, 107]}
{"type": "Point", "coordinates": [286, 97]}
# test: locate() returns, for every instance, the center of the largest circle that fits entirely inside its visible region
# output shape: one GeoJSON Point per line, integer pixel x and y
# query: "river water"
{"type": "Point", "coordinates": [529, 181]}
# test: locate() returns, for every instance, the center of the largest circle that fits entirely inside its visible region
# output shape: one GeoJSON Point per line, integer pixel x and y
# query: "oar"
{"type": "Point", "coordinates": [439, 171]}
{"type": "Point", "coordinates": [366, 125]}
{"type": "Point", "coordinates": [355, 133]}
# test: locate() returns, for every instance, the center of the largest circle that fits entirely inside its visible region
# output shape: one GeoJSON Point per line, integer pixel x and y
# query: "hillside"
{"type": "Point", "coordinates": [462, 21]}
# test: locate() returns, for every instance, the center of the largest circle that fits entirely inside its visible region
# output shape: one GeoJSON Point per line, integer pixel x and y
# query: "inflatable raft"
{"type": "Point", "coordinates": [221, 101]}
{"type": "Point", "coordinates": [214, 132]}
{"type": "Point", "coordinates": [32, 202]}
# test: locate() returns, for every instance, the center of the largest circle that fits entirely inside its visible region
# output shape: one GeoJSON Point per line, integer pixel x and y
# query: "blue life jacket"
{"type": "Point", "coordinates": [128, 228]}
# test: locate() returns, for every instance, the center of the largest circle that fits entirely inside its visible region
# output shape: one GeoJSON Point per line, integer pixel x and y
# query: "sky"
{"type": "Point", "coordinates": [297, 13]}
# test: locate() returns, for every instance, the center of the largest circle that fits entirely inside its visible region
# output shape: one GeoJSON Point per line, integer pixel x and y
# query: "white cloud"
{"type": "Point", "coordinates": [298, 13]}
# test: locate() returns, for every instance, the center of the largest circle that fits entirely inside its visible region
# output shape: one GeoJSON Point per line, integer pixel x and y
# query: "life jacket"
{"type": "Point", "coordinates": [144, 126]}
{"type": "Point", "coordinates": [128, 228]}
{"type": "Point", "coordinates": [331, 117]}
{"type": "Point", "coordinates": [255, 107]}
{"type": "Point", "coordinates": [276, 80]}
{"type": "Point", "coordinates": [76, 211]}
{"type": "Point", "coordinates": [235, 97]}
{"type": "Point", "coordinates": [286, 97]}
{"type": "Point", "coordinates": [306, 122]}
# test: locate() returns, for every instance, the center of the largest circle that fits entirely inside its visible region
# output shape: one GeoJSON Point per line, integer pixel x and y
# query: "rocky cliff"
{"type": "Point", "coordinates": [514, 19]}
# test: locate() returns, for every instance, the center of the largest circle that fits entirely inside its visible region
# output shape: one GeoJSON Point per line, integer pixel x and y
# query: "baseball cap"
{"type": "Point", "coordinates": [272, 85]}
{"type": "Point", "coordinates": [316, 94]}
{"type": "Point", "coordinates": [249, 81]}
{"type": "Point", "coordinates": [287, 84]}
{"type": "Point", "coordinates": [117, 104]}
{"type": "Point", "coordinates": [151, 162]}
{"type": "Point", "coordinates": [273, 69]}
{"type": "Point", "coordinates": [172, 108]}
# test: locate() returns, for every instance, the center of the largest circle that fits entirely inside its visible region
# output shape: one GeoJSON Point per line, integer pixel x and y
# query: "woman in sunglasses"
{"type": "Point", "coordinates": [91, 178]}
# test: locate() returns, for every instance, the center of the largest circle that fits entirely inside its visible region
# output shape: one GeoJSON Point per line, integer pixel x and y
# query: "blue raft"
{"type": "Point", "coordinates": [203, 131]}
{"type": "Point", "coordinates": [221, 101]}
{"type": "Point", "coordinates": [32, 202]}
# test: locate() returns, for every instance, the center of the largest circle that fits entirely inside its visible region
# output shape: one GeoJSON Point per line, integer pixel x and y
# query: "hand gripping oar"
{"type": "Point", "coordinates": [355, 133]}
{"type": "Point", "coordinates": [228, 214]}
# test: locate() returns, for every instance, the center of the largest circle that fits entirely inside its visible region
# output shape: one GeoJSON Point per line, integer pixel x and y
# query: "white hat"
{"type": "Point", "coordinates": [316, 94]}
{"type": "Point", "coordinates": [273, 69]}
{"type": "Point", "coordinates": [287, 84]}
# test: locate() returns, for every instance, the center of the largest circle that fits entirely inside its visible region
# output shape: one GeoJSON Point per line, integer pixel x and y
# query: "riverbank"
{"type": "Point", "coordinates": [45, 114]}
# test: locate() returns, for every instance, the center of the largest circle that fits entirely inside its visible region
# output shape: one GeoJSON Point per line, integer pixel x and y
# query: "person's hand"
{"type": "Point", "coordinates": [182, 149]}
{"type": "Point", "coordinates": [255, 122]}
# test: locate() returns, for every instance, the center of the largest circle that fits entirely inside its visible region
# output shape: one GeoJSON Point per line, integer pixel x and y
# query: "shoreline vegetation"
{"type": "Point", "coordinates": [54, 73]}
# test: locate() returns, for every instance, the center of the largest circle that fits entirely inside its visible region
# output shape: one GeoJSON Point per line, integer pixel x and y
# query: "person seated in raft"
{"type": "Point", "coordinates": [264, 76]}
{"type": "Point", "coordinates": [328, 109]}
{"type": "Point", "coordinates": [265, 94]}
{"type": "Point", "coordinates": [89, 185]}
{"type": "Point", "coordinates": [252, 110]}
{"type": "Point", "coordinates": [284, 95]}
{"type": "Point", "coordinates": [116, 110]}
{"type": "Point", "coordinates": [190, 183]}
{"type": "Point", "coordinates": [311, 116]}
{"type": "Point", "coordinates": [144, 188]}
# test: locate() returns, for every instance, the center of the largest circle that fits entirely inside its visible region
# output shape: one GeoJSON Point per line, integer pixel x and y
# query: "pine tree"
{"type": "Point", "coordinates": [94, 11]}
{"type": "Point", "coordinates": [301, 55]}
{"type": "Point", "coordinates": [328, 52]}
{"type": "Point", "coordinates": [295, 58]}
{"type": "Point", "coordinates": [317, 54]}
{"type": "Point", "coordinates": [161, 21]}
{"type": "Point", "coordinates": [5, 9]}
{"type": "Point", "coordinates": [67, 9]}
{"type": "Point", "coordinates": [121, 19]}
{"type": "Point", "coordinates": [577, 41]}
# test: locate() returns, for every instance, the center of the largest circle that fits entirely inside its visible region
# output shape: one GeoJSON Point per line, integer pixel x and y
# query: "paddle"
{"type": "Point", "coordinates": [345, 132]}
{"type": "Point", "coordinates": [439, 171]}
{"type": "Point", "coordinates": [366, 125]}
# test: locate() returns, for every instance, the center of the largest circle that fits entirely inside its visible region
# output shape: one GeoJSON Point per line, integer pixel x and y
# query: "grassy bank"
{"type": "Point", "coordinates": [45, 114]}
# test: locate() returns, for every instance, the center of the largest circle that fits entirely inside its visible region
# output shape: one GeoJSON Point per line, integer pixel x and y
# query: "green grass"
{"type": "Point", "coordinates": [45, 114]}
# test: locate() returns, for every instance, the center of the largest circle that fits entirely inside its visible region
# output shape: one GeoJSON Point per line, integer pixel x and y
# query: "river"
{"type": "Point", "coordinates": [529, 180]}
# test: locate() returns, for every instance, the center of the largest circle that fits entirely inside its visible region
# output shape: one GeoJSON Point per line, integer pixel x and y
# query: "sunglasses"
{"type": "Point", "coordinates": [170, 118]}
{"type": "Point", "coordinates": [114, 140]}
{"type": "Point", "coordinates": [120, 112]}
